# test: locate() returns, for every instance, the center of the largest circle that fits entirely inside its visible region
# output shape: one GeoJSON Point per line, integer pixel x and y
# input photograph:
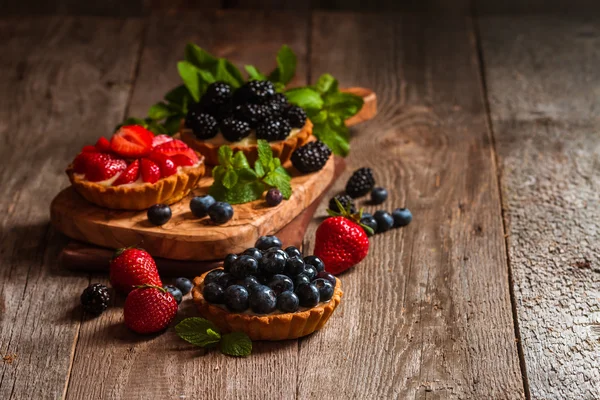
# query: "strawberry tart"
{"type": "Point", "coordinates": [135, 170]}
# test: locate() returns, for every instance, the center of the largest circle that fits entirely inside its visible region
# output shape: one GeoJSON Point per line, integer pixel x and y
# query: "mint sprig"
{"type": "Point", "coordinates": [203, 333]}
{"type": "Point", "coordinates": [236, 182]}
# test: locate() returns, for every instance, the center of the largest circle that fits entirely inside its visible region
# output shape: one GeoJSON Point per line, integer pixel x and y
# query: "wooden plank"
{"type": "Point", "coordinates": [112, 362]}
{"type": "Point", "coordinates": [543, 81]}
{"type": "Point", "coordinates": [61, 87]}
{"type": "Point", "coordinates": [428, 313]}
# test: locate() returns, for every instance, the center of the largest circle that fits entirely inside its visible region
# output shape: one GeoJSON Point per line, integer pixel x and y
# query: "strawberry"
{"type": "Point", "coordinates": [132, 141]}
{"type": "Point", "coordinates": [103, 145]}
{"type": "Point", "coordinates": [149, 309]}
{"type": "Point", "coordinates": [132, 267]}
{"type": "Point", "coordinates": [150, 171]}
{"type": "Point", "coordinates": [160, 139]}
{"type": "Point", "coordinates": [102, 166]}
{"type": "Point", "coordinates": [340, 241]}
{"type": "Point", "coordinates": [182, 161]}
{"type": "Point", "coordinates": [81, 161]}
{"type": "Point", "coordinates": [89, 149]}
{"type": "Point", "coordinates": [176, 147]}
{"type": "Point", "coordinates": [129, 175]}
{"type": "Point", "coordinates": [167, 166]}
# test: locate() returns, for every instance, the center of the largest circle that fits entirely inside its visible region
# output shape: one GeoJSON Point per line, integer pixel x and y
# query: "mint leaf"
{"type": "Point", "coordinates": [160, 111]}
{"type": "Point", "coordinates": [326, 84]}
{"type": "Point", "coordinates": [198, 331]}
{"type": "Point", "coordinates": [305, 97]}
{"type": "Point", "coordinates": [336, 137]}
{"type": "Point", "coordinates": [253, 73]}
{"type": "Point", "coordinates": [180, 96]}
{"type": "Point", "coordinates": [199, 57]}
{"type": "Point", "coordinates": [189, 75]}
{"type": "Point", "coordinates": [235, 73]}
{"type": "Point", "coordinates": [172, 124]}
{"type": "Point", "coordinates": [286, 66]}
{"type": "Point", "coordinates": [243, 192]}
{"type": "Point", "coordinates": [265, 154]}
{"type": "Point", "coordinates": [280, 179]}
{"type": "Point", "coordinates": [343, 105]}
{"type": "Point", "coordinates": [228, 73]}
{"type": "Point", "coordinates": [247, 174]}
{"type": "Point", "coordinates": [230, 179]}
{"type": "Point", "coordinates": [259, 169]}
{"type": "Point", "coordinates": [225, 155]}
{"type": "Point", "coordinates": [240, 160]}
{"type": "Point", "coordinates": [236, 344]}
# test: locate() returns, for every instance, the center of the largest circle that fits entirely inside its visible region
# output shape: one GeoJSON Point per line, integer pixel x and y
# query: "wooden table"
{"type": "Point", "coordinates": [487, 131]}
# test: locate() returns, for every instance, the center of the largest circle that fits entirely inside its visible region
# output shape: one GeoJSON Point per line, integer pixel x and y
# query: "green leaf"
{"type": "Point", "coordinates": [286, 66]}
{"type": "Point", "coordinates": [243, 192]}
{"type": "Point", "coordinates": [199, 57]}
{"type": "Point", "coordinates": [280, 179]}
{"type": "Point", "coordinates": [172, 124]}
{"type": "Point", "coordinates": [253, 73]}
{"type": "Point", "coordinates": [265, 154]}
{"type": "Point", "coordinates": [240, 160]}
{"type": "Point", "coordinates": [157, 128]}
{"type": "Point", "coordinates": [159, 111]}
{"type": "Point", "coordinates": [259, 169]}
{"type": "Point", "coordinates": [230, 179]}
{"type": "Point", "coordinates": [305, 97]}
{"type": "Point", "coordinates": [225, 156]}
{"type": "Point", "coordinates": [247, 174]}
{"type": "Point", "coordinates": [180, 96]}
{"type": "Point", "coordinates": [189, 75]}
{"type": "Point", "coordinates": [234, 73]}
{"type": "Point", "coordinates": [198, 331]}
{"type": "Point", "coordinates": [326, 84]}
{"type": "Point", "coordinates": [236, 344]}
{"type": "Point", "coordinates": [343, 105]}
{"type": "Point", "coordinates": [336, 137]}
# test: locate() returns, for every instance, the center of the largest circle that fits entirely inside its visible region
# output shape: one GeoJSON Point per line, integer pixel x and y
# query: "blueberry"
{"type": "Point", "coordinates": [301, 279]}
{"type": "Point", "coordinates": [384, 220]}
{"type": "Point", "coordinates": [378, 195]}
{"type": "Point", "coordinates": [199, 205]}
{"type": "Point", "coordinates": [315, 262]}
{"type": "Point", "coordinates": [310, 271]}
{"type": "Point", "coordinates": [236, 298]}
{"type": "Point", "coordinates": [175, 292]}
{"type": "Point", "coordinates": [402, 217]}
{"type": "Point", "coordinates": [220, 212]}
{"type": "Point", "coordinates": [244, 266]}
{"type": "Point", "coordinates": [294, 266]}
{"type": "Point", "coordinates": [213, 276]}
{"type": "Point", "coordinates": [276, 250]}
{"type": "Point", "coordinates": [287, 302]}
{"type": "Point", "coordinates": [281, 283]}
{"type": "Point", "coordinates": [293, 251]}
{"type": "Point", "coordinates": [225, 280]}
{"type": "Point", "coordinates": [371, 223]}
{"type": "Point", "coordinates": [253, 252]}
{"type": "Point", "coordinates": [213, 293]}
{"type": "Point", "coordinates": [367, 215]}
{"type": "Point", "coordinates": [308, 294]}
{"type": "Point", "coordinates": [325, 289]}
{"type": "Point", "coordinates": [263, 300]}
{"type": "Point", "coordinates": [266, 242]}
{"type": "Point", "coordinates": [328, 276]}
{"type": "Point", "coordinates": [274, 197]}
{"type": "Point", "coordinates": [184, 284]}
{"type": "Point", "coordinates": [249, 282]}
{"type": "Point", "coordinates": [159, 214]}
{"type": "Point", "coordinates": [228, 262]}
{"type": "Point", "coordinates": [272, 262]}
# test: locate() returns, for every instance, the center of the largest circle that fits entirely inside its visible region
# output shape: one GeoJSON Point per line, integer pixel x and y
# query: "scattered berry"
{"type": "Point", "coordinates": [281, 283]}
{"type": "Point", "coordinates": [266, 242]}
{"type": "Point", "coordinates": [315, 262]}
{"type": "Point", "coordinates": [371, 223]}
{"type": "Point", "coordinates": [236, 298]}
{"type": "Point", "coordinates": [308, 294]}
{"type": "Point", "coordinates": [344, 200]}
{"type": "Point", "coordinates": [326, 275]}
{"type": "Point", "coordinates": [385, 222]}
{"type": "Point", "coordinates": [263, 300]}
{"type": "Point", "coordinates": [274, 197]}
{"type": "Point", "coordinates": [184, 284]}
{"type": "Point", "coordinates": [288, 302]}
{"type": "Point", "coordinates": [149, 309]}
{"type": "Point", "coordinates": [213, 293]}
{"type": "Point", "coordinates": [234, 129]}
{"type": "Point", "coordinates": [132, 267]}
{"type": "Point", "coordinates": [402, 217]}
{"type": "Point", "coordinates": [203, 125]}
{"type": "Point", "coordinates": [325, 289]}
{"type": "Point", "coordinates": [174, 290]}
{"type": "Point", "coordinates": [311, 157]}
{"type": "Point", "coordinates": [244, 266]}
{"type": "Point", "coordinates": [273, 128]}
{"type": "Point", "coordinates": [296, 116]}
{"type": "Point", "coordinates": [199, 205]}
{"type": "Point", "coordinates": [159, 214]}
{"type": "Point", "coordinates": [95, 298]}
{"type": "Point", "coordinates": [360, 183]}
{"type": "Point", "coordinates": [293, 251]}
{"type": "Point", "coordinates": [378, 195]}
{"type": "Point", "coordinates": [220, 212]}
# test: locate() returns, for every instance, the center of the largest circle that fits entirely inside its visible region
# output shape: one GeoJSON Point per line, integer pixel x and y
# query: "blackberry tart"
{"type": "Point", "coordinates": [239, 118]}
{"type": "Point", "coordinates": [268, 293]}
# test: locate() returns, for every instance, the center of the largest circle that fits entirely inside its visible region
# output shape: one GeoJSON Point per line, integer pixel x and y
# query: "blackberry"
{"type": "Point", "coordinates": [254, 92]}
{"type": "Point", "coordinates": [234, 129]}
{"type": "Point", "coordinates": [216, 95]}
{"type": "Point", "coordinates": [203, 125]}
{"type": "Point", "coordinates": [296, 116]}
{"type": "Point", "coordinates": [95, 298]}
{"type": "Point", "coordinates": [344, 200]}
{"type": "Point", "coordinates": [273, 128]}
{"type": "Point", "coordinates": [360, 183]}
{"type": "Point", "coordinates": [311, 157]}
{"type": "Point", "coordinates": [253, 114]}
{"type": "Point", "coordinates": [278, 104]}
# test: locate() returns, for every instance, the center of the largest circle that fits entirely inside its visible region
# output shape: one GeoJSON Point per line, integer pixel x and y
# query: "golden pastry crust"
{"type": "Point", "coordinates": [139, 197]}
{"type": "Point", "coordinates": [267, 327]}
{"type": "Point", "coordinates": [282, 148]}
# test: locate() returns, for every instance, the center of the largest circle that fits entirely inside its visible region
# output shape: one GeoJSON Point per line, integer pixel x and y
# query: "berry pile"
{"type": "Point", "coordinates": [234, 113]}
{"type": "Point", "coordinates": [219, 212]}
{"type": "Point", "coordinates": [266, 278]}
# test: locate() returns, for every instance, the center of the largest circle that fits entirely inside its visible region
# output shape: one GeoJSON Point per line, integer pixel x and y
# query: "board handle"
{"type": "Point", "coordinates": [369, 108]}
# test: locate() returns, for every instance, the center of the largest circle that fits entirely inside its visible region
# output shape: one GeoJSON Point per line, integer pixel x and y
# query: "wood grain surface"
{"type": "Point", "coordinates": [543, 84]}
{"type": "Point", "coordinates": [60, 88]}
{"type": "Point", "coordinates": [427, 313]}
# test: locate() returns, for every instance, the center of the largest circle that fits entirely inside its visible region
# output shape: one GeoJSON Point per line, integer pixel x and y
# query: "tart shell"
{"type": "Point", "coordinates": [282, 148]}
{"type": "Point", "coordinates": [267, 327]}
{"type": "Point", "coordinates": [139, 197]}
